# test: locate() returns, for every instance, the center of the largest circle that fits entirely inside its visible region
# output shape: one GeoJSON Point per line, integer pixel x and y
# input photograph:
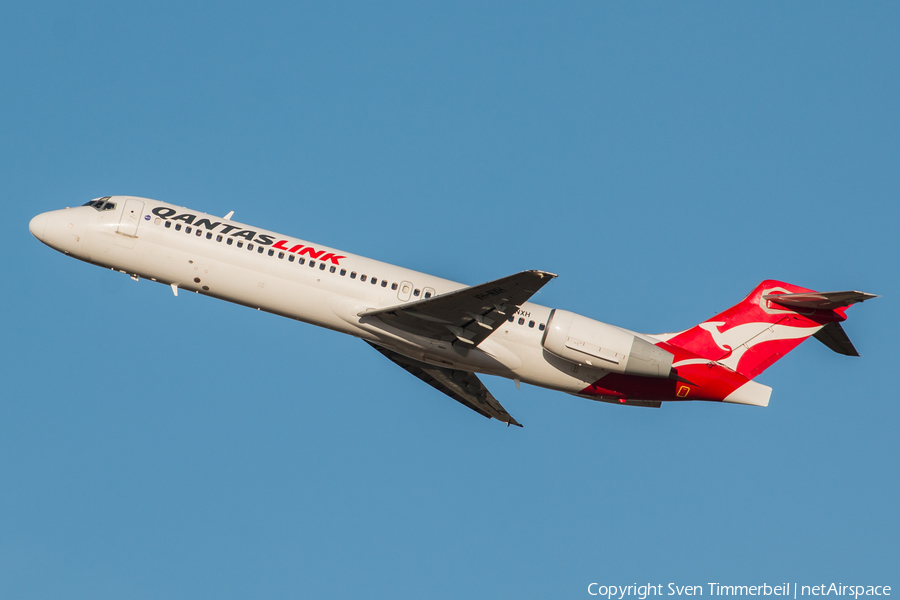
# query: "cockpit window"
{"type": "Point", "coordinates": [101, 204]}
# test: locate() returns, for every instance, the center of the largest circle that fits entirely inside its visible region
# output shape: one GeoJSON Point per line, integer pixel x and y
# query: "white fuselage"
{"type": "Point", "coordinates": [134, 239]}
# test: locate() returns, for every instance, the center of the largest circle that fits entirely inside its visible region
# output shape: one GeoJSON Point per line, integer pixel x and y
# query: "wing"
{"type": "Point", "coordinates": [462, 386]}
{"type": "Point", "coordinates": [465, 317]}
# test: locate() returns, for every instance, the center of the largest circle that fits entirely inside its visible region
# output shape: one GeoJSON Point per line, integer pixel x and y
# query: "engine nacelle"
{"type": "Point", "coordinates": [587, 342]}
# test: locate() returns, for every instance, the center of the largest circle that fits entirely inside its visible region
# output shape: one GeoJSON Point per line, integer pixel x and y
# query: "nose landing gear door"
{"type": "Point", "coordinates": [131, 217]}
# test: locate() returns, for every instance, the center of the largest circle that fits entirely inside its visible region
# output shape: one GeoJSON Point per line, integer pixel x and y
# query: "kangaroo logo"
{"type": "Point", "coordinates": [736, 341]}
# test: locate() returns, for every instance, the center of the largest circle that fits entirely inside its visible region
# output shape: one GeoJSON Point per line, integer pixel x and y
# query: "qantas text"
{"type": "Point", "coordinates": [248, 234]}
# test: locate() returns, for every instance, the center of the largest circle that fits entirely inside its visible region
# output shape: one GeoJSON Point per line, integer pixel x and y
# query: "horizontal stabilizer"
{"type": "Point", "coordinates": [833, 336]}
{"type": "Point", "coordinates": [819, 300]}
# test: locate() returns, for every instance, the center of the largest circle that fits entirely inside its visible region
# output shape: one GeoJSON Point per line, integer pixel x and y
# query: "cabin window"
{"type": "Point", "coordinates": [168, 224]}
{"type": "Point", "coordinates": [250, 247]}
{"type": "Point", "coordinates": [178, 227]}
{"type": "Point", "coordinates": [290, 258]}
{"type": "Point", "coordinates": [362, 277]}
{"type": "Point", "coordinates": [240, 244]}
{"type": "Point", "coordinates": [229, 241]}
{"type": "Point", "coordinates": [322, 266]}
{"type": "Point", "coordinates": [394, 286]}
{"type": "Point", "coordinates": [157, 221]}
{"type": "Point", "coordinates": [511, 319]}
{"type": "Point", "coordinates": [541, 326]}
{"type": "Point", "coordinates": [343, 272]}
{"type": "Point", "coordinates": [271, 252]}
{"type": "Point", "coordinates": [384, 283]}
{"type": "Point", "coordinates": [374, 280]}
{"type": "Point", "coordinates": [281, 255]}
{"type": "Point", "coordinates": [405, 289]}
{"type": "Point", "coordinates": [531, 323]}
{"type": "Point", "coordinates": [209, 236]}
{"type": "Point", "coordinates": [301, 260]}
{"type": "Point", "coordinates": [312, 264]}
{"type": "Point", "coordinates": [332, 269]}
{"type": "Point", "coordinates": [521, 321]}
{"type": "Point", "coordinates": [187, 230]}
{"type": "Point", "coordinates": [353, 275]}
{"type": "Point", "coordinates": [416, 293]}
{"type": "Point", "coordinates": [218, 238]}
{"type": "Point", "coordinates": [199, 233]}
{"type": "Point", "coordinates": [428, 294]}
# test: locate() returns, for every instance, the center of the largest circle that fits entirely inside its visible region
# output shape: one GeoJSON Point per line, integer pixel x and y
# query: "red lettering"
{"type": "Point", "coordinates": [312, 252]}
{"type": "Point", "coordinates": [330, 256]}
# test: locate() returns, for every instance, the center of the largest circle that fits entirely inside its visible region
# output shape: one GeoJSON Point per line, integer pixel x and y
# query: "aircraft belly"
{"type": "Point", "coordinates": [270, 293]}
{"type": "Point", "coordinates": [542, 369]}
{"type": "Point", "coordinates": [211, 277]}
{"type": "Point", "coordinates": [101, 248]}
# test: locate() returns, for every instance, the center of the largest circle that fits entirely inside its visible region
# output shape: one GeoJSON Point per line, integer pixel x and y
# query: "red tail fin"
{"type": "Point", "coordinates": [753, 334]}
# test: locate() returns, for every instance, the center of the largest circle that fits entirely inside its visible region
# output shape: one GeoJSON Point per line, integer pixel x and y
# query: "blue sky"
{"type": "Point", "coordinates": [662, 158]}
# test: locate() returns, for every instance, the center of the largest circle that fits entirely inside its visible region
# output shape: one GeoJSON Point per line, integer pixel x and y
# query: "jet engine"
{"type": "Point", "coordinates": [587, 342]}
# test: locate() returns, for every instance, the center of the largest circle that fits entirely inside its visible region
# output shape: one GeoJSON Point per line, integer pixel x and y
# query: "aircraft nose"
{"type": "Point", "coordinates": [37, 226]}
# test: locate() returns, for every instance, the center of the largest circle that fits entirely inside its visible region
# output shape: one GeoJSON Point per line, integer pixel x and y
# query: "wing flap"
{"type": "Point", "coordinates": [462, 386]}
{"type": "Point", "coordinates": [464, 317]}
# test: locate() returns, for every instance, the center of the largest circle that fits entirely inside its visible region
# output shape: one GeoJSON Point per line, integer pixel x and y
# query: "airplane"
{"type": "Point", "coordinates": [443, 332]}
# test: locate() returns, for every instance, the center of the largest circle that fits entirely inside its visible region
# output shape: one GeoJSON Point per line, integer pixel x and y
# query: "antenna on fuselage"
{"type": "Point", "coordinates": [229, 215]}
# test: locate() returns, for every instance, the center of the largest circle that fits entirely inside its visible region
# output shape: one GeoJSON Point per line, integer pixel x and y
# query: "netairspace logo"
{"type": "Point", "coordinates": [641, 592]}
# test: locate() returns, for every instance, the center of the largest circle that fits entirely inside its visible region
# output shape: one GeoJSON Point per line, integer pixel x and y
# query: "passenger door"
{"type": "Point", "coordinates": [131, 217]}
